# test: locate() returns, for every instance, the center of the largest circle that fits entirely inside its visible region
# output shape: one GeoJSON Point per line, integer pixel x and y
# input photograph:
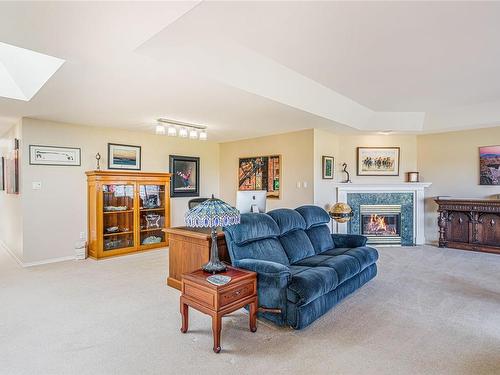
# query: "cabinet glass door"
{"type": "Point", "coordinates": [118, 217]}
{"type": "Point", "coordinates": [151, 214]}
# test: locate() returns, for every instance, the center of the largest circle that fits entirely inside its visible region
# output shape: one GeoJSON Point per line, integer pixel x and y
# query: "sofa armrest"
{"type": "Point", "coordinates": [349, 240]}
{"type": "Point", "coordinates": [274, 273]}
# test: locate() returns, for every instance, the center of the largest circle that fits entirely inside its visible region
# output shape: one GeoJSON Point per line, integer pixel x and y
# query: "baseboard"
{"type": "Point", "coordinates": [48, 261]}
{"type": "Point", "coordinates": [11, 253]}
{"type": "Point", "coordinates": [32, 264]}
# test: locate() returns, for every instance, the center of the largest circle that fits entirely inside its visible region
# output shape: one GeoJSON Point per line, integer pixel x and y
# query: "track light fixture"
{"type": "Point", "coordinates": [181, 129]}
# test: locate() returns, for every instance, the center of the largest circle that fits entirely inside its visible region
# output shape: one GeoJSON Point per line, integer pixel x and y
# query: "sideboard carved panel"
{"type": "Point", "coordinates": [469, 224]}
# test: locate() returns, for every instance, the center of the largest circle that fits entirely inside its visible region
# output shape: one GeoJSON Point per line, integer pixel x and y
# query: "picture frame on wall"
{"type": "Point", "coordinates": [260, 173]}
{"type": "Point", "coordinates": [55, 155]}
{"type": "Point", "coordinates": [489, 165]}
{"type": "Point", "coordinates": [2, 173]}
{"type": "Point", "coordinates": [185, 176]}
{"type": "Point", "coordinates": [328, 166]}
{"type": "Point", "coordinates": [124, 157]}
{"type": "Point", "coordinates": [378, 161]}
{"type": "Point", "coordinates": [11, 170]}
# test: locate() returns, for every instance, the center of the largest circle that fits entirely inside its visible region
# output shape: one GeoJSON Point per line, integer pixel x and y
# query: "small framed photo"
{"type": "Point", "coordinates": [54, 155]}
{"type": "Point", "coordinates": [2, 173]}
{"type": "Point", "coordinates": [328, 167]}
{"type": "Point", "coordinates": [378, 161]}
{"type": "Point", "coordinates": [185, 176]}
{"type": "Point", "coordinates": [124, 157]}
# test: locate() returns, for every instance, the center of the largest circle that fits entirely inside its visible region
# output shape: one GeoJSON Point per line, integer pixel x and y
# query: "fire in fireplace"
{"type": "Point", "coordinates": [381, 224]}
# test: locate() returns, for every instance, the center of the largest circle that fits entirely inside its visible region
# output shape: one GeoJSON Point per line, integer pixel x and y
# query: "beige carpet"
{"type": "Point", "coordinates": [429, 311]}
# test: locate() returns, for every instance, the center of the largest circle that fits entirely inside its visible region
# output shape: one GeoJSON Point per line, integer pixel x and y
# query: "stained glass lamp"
{"type": "Point", "coordinates": [213, 213]}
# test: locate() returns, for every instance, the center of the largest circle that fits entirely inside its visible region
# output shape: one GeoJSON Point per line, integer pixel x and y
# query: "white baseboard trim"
{"type": "Point", "coordinates": [47, 261]}
{"type": "Point", "coordinates": [32, 264]}
{"type": "Point", "coordinates": [11, 253]}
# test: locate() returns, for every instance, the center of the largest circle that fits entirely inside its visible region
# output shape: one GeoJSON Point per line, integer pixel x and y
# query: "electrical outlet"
{"type": "Point", "coordinates": [36, 185]}
{"type": "Point", "coordinates": [82, 235]}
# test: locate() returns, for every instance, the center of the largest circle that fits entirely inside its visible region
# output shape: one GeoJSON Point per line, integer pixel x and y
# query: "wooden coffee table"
{"type": "Point", "coordinates": [218, 301]}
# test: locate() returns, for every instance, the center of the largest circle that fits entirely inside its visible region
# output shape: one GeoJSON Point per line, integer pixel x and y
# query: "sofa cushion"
{"type": "Point", "coordinates": [365, 255]}
{"type": "Point", "coordinates": [311, 283]}
{"type": "Point", "coordinates": [344, 265]}
{"type": "Point", "coordinates": [287, 220]}
{"type": "Point", "coordinates": [269, 249]}
{"type": "Point", "coordinates": [313, 215]}
{"type": "Point", "coordinates": [297, 245]}
{"type": "Point", "coordinates": [253, 227]}
{"type": "Point", "coordinates": [321, 238]}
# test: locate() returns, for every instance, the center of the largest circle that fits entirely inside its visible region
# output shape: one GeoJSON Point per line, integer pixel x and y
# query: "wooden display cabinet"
{"type": "Point", "coordinates": [127, 212]}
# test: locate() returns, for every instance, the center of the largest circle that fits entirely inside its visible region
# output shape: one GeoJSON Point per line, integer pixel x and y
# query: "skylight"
{"type": "Point", "coordinates": [23, 72]}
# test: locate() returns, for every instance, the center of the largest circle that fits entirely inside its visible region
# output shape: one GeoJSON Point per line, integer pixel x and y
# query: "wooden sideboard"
{"type": "Point", "coordinates": [189, 249]}
{"type": "Point", "coordinates": [469, 224]}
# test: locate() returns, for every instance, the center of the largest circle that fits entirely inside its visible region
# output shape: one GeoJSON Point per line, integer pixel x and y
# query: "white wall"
{"type": "Point", "coordinates": [55, 215]}
{"type": "Point", "coordinates": [11, 224]}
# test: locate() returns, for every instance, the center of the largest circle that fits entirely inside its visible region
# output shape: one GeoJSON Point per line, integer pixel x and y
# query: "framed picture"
{"type": "Point", "coordinates": [2, 173]}
{"type": "Point", "coordinates": [124, 156]}
{"type": "Point", "coordinates": [378, 161]}
{"type": "Point", "coordinates": [52, 155]}
{"type": "Point", "coordinates": [328, 167]}
{"type": "Point", "coordinates": [185, 176]}
{"type": "Point", "coordinates": [12, 173]}
{"type": "Point", "coordinates": [260, 173]}
{"type": "Point", "coordinates": [489, 165]}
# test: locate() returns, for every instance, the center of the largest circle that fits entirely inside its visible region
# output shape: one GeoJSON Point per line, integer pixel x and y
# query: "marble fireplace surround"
{"type": "Point", "coordinates": [415, 188]}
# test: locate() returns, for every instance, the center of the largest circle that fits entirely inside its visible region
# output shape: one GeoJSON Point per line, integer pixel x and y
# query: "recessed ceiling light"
{"type": "Point", "coordinates": [23, 72]}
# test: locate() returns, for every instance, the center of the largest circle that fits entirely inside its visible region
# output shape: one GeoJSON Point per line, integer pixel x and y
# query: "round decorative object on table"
{"type": "Point", "coordinates": [341, 212]}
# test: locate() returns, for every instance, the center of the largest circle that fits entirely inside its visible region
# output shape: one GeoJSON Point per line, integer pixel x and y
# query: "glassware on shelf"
{"type": "Point", "coordinates": [151, 196]}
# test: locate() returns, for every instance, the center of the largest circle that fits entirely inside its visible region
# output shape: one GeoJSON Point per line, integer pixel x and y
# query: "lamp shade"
{"type": "Point", "coordinates": [341, 212]}
{"type": "Point", "coordinates": [212, 213]}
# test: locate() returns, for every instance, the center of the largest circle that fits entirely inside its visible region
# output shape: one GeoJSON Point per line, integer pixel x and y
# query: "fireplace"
{"type": "Point", "coordinates": [381, 223]}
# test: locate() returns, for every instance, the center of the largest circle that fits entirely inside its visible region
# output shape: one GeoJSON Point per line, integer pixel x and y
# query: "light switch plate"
{"type": "Point", "coordinates": [37, 185]}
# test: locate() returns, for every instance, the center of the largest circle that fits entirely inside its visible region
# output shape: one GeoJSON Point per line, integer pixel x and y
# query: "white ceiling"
{"type": "Point", "coordinates": [254, 68]}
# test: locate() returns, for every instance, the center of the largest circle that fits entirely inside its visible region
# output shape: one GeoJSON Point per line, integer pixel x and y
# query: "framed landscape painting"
{"type": "Point", "coordinates": [260, 173]}
{"type": "Point", "coordinates": [185, 176]}
{"type": "Point", "coordinates": [489, 165]}
{"type": "Point", "coordinates": [378, 161]}
{"type": "Point", "coordinates": [50, 155]}
{"type": "Point", "coordinates": [124, 156]}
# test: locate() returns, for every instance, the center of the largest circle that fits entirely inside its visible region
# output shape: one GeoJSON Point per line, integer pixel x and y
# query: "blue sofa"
{"type": "Point", "coordinates": [302, 269]}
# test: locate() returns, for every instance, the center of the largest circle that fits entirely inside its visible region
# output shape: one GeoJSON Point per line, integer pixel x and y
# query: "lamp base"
{"type": "Point", "coordinates": [214, 267]}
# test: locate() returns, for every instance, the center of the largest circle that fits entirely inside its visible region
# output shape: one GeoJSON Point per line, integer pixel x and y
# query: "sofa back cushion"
{"type": "Point", "coordinates": [292, 235]}
{"type": "Point", "coordinates": [321, 238]}
{"type": "Point", "coordinates": [313, 215]}
{"type": "Point", "coordinates": [287, 219]}
{"type": "Point", "coordinates": [256, 237]}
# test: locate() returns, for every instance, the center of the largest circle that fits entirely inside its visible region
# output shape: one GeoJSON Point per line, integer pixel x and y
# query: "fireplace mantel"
{"type": "Point", "coordinates": [416, 188]}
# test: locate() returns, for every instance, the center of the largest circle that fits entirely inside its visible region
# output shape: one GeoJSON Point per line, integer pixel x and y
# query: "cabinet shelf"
{"type": "Point", "coordinates": [151, 230]}
{"type": "Point", "coordinates": [117, 212]}
{"type": "Point", "coordinates": [117, 234]}
{"type": "Point", "coordinates": [152, 209]}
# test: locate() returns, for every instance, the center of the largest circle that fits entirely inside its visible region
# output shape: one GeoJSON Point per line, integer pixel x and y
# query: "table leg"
{"type": "Point", "coordinates": [216, 329]}
{"type": "Point", "coordinates": [253, 316]}
{"type": "Point", "coordinates": [185, 317]}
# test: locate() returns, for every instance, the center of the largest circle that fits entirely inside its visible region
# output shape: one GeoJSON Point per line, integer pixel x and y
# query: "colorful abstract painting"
{"type": "Point", "coordinates": [260, 173]}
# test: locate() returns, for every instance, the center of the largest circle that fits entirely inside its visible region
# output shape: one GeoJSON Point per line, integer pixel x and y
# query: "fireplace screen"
{"type": "Point", "coordinates": [381, 223]}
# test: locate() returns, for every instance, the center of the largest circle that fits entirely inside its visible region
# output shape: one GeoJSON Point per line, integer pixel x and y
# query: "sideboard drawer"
{"type": "Point", "coordinates": [237, 293]}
